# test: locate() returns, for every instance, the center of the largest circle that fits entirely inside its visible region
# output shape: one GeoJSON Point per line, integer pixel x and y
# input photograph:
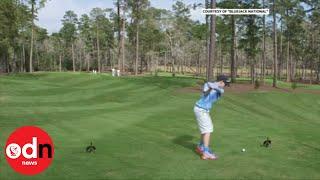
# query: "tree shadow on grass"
{"type": "Point", "coordinates": [185, 141]}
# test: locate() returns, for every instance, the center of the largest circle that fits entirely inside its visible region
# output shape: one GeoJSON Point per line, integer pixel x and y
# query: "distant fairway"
{"type": "Point", "coordinates": [144, 128]}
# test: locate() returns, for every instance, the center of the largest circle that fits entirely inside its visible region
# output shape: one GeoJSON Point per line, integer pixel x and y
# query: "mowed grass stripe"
{"type": "Point", "coordinates": [147, 131]}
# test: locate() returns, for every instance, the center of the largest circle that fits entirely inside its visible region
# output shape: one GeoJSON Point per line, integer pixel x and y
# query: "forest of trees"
{"type": "Point", "coordinates": [136, 38]}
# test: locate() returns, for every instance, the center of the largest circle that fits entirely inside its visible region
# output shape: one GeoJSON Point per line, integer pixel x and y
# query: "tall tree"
{"type": "Point", "coordinates": [102, 35]}
{"type": "Point", "coordinates": [85, 29]}
{"type": "Point", "coordinates": [288, 9]}
{"type": "Point", "coordinates": [212, 48]}
{"type": "Point", "coordinates": [224, 39]}
{"type": "Point", "coordinates": [14, 18]}
{"type": "Point", "coordinates": [180, 33]}
{"type": "Point", "coordinates": [275, 61]}
{"type": "Point", "coordinates": [231, 20]}
{"type": "Point", "coordinates": [122, 6]}
{"type": "Point", "coordinates": [119, 21]}
{"type": "Point", "coordinates": [150, 36]}
{"type": "Point", "coordinates": [250, 37]}
{"type": "Point", "coordinates": [35, 6]}
{"type": "Point", "coordinates": [137, 7]}
{"type": "Point", "coordinates": [69, 32]}
{"type": "Point", "coordinates": [263, 63]}
{"type": "Point", "coordinates": [98, 15]}
{"type": "Point", "coordinates": [57, 42]}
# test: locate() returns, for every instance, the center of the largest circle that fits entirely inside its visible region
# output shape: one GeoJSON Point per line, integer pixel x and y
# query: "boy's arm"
{"type": "Point", "coordinates": [205, 93]}
{"type": "Point", "coordinates": [219, 91]}
{"type": "Point", "coordinates": [208, 87]}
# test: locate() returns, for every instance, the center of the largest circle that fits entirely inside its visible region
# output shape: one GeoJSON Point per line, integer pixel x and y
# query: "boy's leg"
{"type": "Point", "coordinates": [200, 146]}
{"type": "Point", "coordinates": [207, 153]}
{"type": "Point", "coordinates": [206, 128]}
{"type": "Point", "coordinates": [206, 139]}
{"type": "Point", "coordinates": [201, 139]}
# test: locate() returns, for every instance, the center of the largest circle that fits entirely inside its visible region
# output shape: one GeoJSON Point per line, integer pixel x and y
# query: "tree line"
{"type": "Point", "coordinates": [135, 37]}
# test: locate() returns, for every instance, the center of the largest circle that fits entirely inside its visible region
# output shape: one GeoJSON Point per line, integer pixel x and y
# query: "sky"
{"type": "Point", "coordinates": [50, 16]}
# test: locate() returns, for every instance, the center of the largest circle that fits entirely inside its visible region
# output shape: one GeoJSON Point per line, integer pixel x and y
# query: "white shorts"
{"type": "Point", "coordinates": [204, 120]}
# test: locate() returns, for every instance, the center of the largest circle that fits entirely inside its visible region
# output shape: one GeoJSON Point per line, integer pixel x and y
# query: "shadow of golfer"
{"type": "Point", "coordinates": [185, 141]}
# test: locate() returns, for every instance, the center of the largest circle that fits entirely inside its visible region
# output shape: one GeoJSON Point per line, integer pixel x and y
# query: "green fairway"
{"type": "Point", "coordinates": [144, 128]}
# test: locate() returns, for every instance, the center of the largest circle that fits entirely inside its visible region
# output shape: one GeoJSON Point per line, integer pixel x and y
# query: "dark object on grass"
{"type": "Point", "coordinates": [91, 148]}
{"type": "Point", "coordinates": [266, 143]}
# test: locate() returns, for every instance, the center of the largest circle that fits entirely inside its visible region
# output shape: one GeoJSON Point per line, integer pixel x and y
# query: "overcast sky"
{"type": "Point", "coordinates": [50, 16]}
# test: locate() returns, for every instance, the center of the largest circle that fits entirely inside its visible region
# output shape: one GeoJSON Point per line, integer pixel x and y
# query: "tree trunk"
{"type": "Point", "coordinates": [13, 66]}
{"type": "Point", "coordinates": [275, 63]}
{"type": "Point", "coordinates": [221, 64]}
{"type": "Point", "coordinates": [98, 47]}
{"type": "Point", "coordinates": [293, 69]}
{"type": "Point", "coordinates": [236, 52]}
{"type": "Point", "coordinates": [318, 72]}
{"type": "Point", "coordinates": [32, 37]}
{"type": "Point", "coordinates": [179, 65]}
{"type": "Point", "coordinates": [183, 60]}
{"type": "Point", "coordinates": [88, 62]}
{"type": "Point", "coordinates": [291, 64]}
{"type": "Point", "coordinates": [263, 67]}
{"type": "Point", "coordinates": [119, 34]}
{"type": "Point", "coordinates": [157, 64]}
{"type": "Point", "coordinates": [37, 59]}
{"type": "Point", "coordinates": [289, 78]}
{"type": "Point", "coordinates": [151, 62]}
{"type": "Point", "coordinates": [210, 67]}
{"type": "Point", "coordinates": [23, 65]}
{"type": "Point", "coordinates": [311, 75]}
{"type": "Point", "coordinates": [303, 71]}
{"type": "Point", "coordinates": [123, 39]}
{"type": "Point", "coordinates": [252, 73]}
{"type": "Point", "coordinates": [73, 60]}
{"type": "Point", "coordinates": [141, 65]}
{"type": "Point", "coordinates": [233, 49]}
{"type": "Point", "coordinates": [137, 48]}
{"type": "Point", "coordinates": [7, 63]}
{"type": "Point", "coordinates": [60, 62]}
{"type": "Point", "coordinates": [21, 61]}
{"type": "Point", "coordinates": [207, 37]}
{"type": "Point", "coordinates": [198, 63]}
{"type": "Point", "coordinates": [281, 54]}
{"type": "Point", "coordinates": [53, 67]}
{"type": "Point", "coordinates": [172, 56]}
{"type": "Point", "coordinates": [173, 67]}
{"type": "Point", "coordinates": [80, 60]}
{"type": "Point", "coordinates": [288, 62]}
{"type": "Point", "coordinates": [165, 61]}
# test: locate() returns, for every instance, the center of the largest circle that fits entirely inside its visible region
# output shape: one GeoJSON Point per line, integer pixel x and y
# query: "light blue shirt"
{"type": "Point", "coordinates": [206, 102]}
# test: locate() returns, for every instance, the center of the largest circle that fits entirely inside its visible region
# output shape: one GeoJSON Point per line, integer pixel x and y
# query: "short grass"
{"type": "Point", "coordinates": [144, 128]}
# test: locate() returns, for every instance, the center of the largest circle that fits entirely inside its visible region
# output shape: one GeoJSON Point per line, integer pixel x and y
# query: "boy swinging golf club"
{"type": "Point", "coordinates": [212, 92]}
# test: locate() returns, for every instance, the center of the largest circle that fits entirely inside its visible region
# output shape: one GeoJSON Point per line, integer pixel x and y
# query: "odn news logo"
{"type": "Point", "coordinates": [29, 150]}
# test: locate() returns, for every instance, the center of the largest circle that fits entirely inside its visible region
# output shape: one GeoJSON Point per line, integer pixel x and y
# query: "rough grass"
{"type": "Point", "coordinates": [144, 129]}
